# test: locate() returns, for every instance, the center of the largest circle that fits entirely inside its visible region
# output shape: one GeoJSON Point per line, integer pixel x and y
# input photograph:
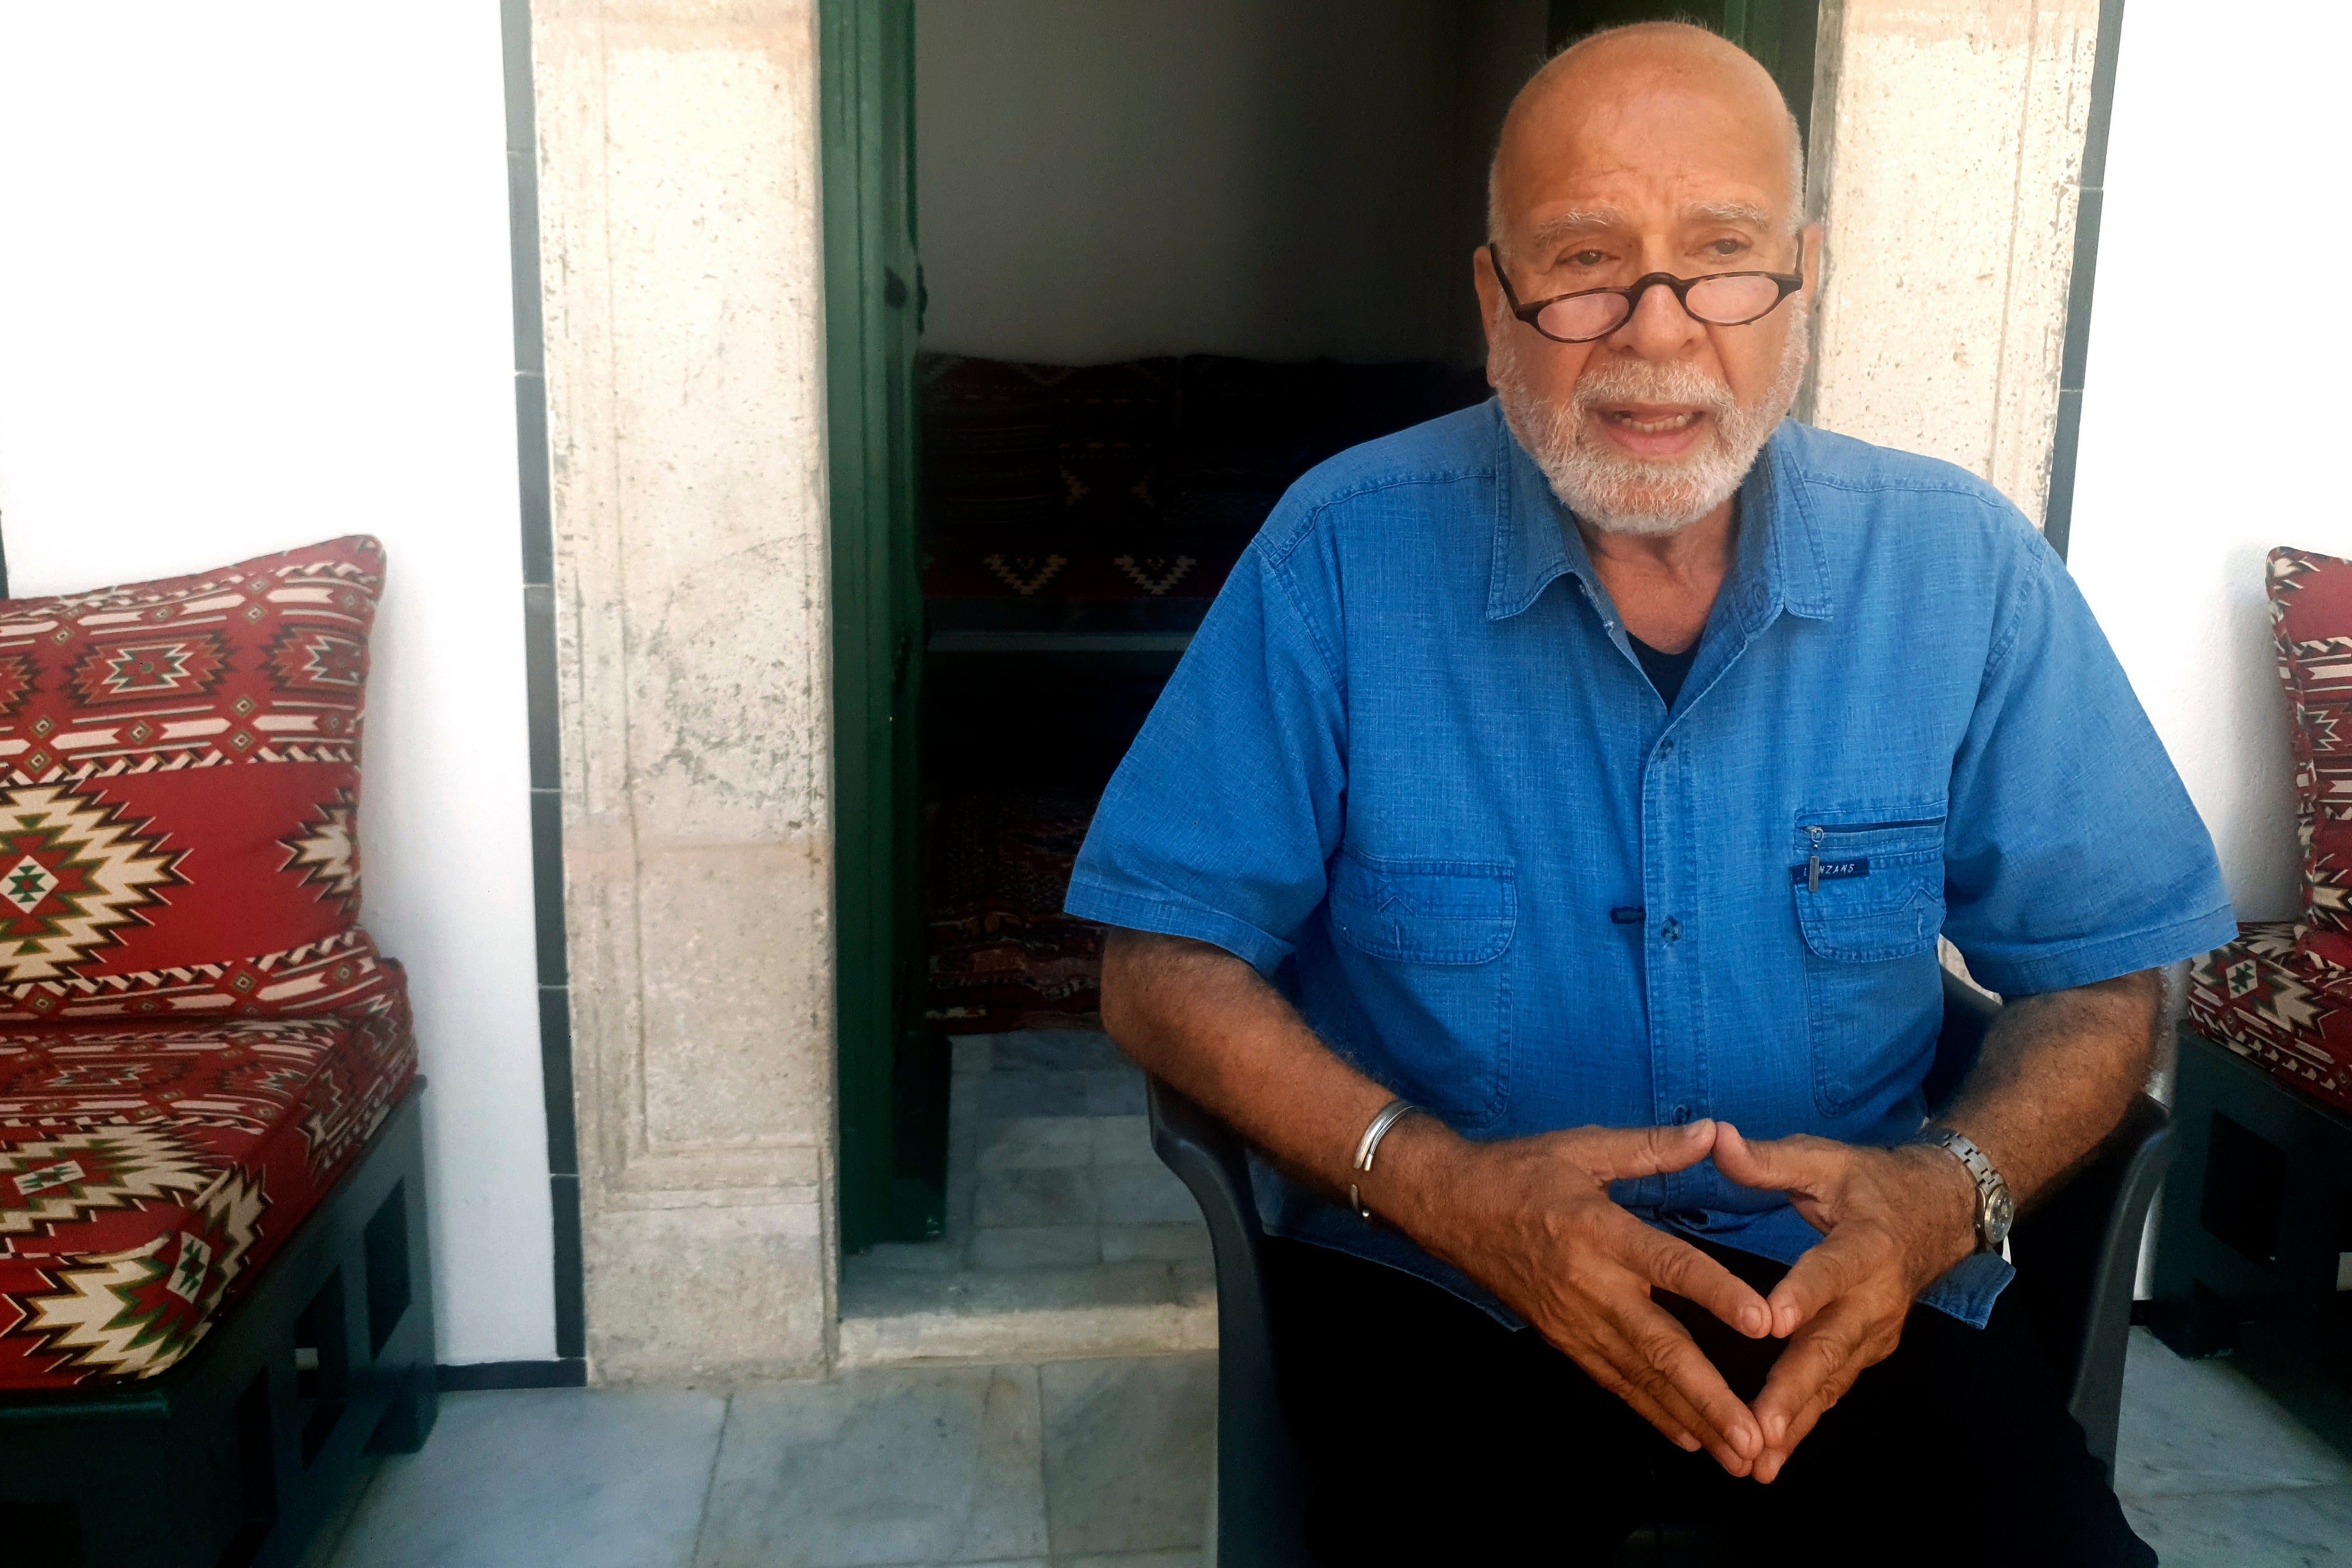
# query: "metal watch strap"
{"type": "Point", "coordinates": [1368, 1145]}
{"type": "Point", "coordinates": [1992, 1193]}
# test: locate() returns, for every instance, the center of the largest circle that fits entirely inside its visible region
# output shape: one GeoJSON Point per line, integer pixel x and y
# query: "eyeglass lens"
{"type": "Point", "coordinates": [1720, 301]}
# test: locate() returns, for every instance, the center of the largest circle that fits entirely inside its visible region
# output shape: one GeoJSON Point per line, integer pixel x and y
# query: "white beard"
{"type": "Point", "coordinates": [1621, 494]}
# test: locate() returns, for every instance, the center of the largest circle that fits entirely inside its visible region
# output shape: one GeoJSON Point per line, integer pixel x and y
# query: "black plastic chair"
{"type": "Point", "coordinates": [2077, 1257]}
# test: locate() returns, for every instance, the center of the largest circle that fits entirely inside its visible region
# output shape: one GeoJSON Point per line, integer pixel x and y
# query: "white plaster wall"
{"type": "Point", "coordinates": [1107, 179]}
{"type": "Point", "coordinates": [2206, 442]}
{"type": "Point", "coordinates": [254, 292]}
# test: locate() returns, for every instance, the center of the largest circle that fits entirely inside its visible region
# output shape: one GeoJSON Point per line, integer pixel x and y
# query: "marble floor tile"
{"type": "Point", "coordinates": [1135, 1284]}
{"type": "Point", "coordinates": [1169, 1243]}
{"type": "Point", "coordinates": [1114, 1091]}
{"type": "Point", "coordinates": [2300, 1527]}
{"type": "Point", "coordinates": [1036, 1247]}
{"type": "Point", "coordinates": [1070, 1049]}
{"type": "Point", "coordinates": [1035, 1196]}
{"type": "Point", "coordinates": [1123, 1141]}
{"type": "Point", "coordinates": [1129, 1446]}
{"type": "Point", "coordinates": [1036, 1094]}
{"type": "Point", "coordinates": [971, 1053]}
{"type": "Point", "coordinates": [582, 1478]}
{"type": "Point", "coordinates": [2200, 1426]}
{"type": "Point", "coordinates": [1131, 1560]}
{"type": "Point", "coordinates": [929, 1466]}
{"type": "Point", "coordinates": [1143, 1195]}
{"type": "Point", "coordinates": [1018, 1142]}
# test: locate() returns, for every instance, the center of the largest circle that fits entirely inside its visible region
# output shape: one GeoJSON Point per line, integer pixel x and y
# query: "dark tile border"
{"type": "Point", "coordinates": [474, 1377]}
{"type": "Point", "coordinates": [546, 779]}
{"type": "Point", "coordinates": [2058, 512]}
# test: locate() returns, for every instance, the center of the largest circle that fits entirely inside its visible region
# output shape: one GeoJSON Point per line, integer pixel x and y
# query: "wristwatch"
{"type": "Point", "coordinates": [1995, 1208]}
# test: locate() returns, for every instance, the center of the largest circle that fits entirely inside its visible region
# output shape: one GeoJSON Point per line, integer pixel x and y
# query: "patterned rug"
{"type": "Point", "coordinates": [1002, 953]}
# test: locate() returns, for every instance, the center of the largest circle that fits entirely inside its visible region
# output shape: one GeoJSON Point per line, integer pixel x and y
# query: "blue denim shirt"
{"type": "Point", "coordinates": [1411, 770]}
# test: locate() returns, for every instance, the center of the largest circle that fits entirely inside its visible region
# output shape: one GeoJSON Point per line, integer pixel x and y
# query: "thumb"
{"type": "Point", "coordinates": [1778, 1164]}
{"type": "Point", "coordinates": [1619, 1154]}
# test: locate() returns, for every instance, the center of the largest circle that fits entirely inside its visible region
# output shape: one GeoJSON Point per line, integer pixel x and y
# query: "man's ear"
{"type": "Point", "coordinates": [1490, 297]}
{"type": "Point", "coordinates": [1808, 244]}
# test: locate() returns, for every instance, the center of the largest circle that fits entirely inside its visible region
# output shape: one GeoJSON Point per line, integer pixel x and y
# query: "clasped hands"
{"type": "Point", "coordinates": [1532, 1219]}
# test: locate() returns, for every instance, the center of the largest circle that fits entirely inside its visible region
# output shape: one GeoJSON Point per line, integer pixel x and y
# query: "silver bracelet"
{"type": "Point", "coordinates": [1394, 1112]}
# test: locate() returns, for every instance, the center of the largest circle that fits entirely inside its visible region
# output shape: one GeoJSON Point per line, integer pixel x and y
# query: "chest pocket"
{"type": "Point", "coordinates": [1426, 945]}
{"type": "Point", "coordinates": [1868, 886]}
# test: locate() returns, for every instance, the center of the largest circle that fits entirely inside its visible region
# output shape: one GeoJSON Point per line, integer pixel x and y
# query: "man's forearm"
{"type": "Point", "coordinates": [1210, 1024]}
{"type": "Point", "coordinates": [2057, 1074]}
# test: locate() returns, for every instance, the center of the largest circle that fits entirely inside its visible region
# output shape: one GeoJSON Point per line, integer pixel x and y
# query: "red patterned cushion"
{"type": "Point", "coordinates": [147, 1172]}
{"type": "Point", "coordinates": [2311, 623]}
{"type": "Point", "coordinates": [179, 780]}
{"type": "Point", "coordinates": [2269, 1003]}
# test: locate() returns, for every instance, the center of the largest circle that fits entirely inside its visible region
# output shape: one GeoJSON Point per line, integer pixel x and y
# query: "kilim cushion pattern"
{"type": "Point", "coordinates": [2272, 1005]}
{"type": "Point", "coordinates": [1002, 954]}
{"type": "Point", "coordinates": [2311, 625]}
{"type": "Point", "coordinates": [179, 784]}
{"type": "Point", "coordinates": [1140, 480]}
{"type": "Point", "coordinates": [149, 1172]}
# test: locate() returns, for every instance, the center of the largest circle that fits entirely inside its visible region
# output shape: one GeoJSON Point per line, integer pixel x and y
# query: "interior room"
{"type": "Point", "coordinates": [1170, 259]}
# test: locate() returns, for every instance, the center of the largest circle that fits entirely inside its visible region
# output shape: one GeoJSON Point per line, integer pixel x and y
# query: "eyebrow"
{"type": "Point", "coordinates": [1589, 220]}
{"type": "Point", "coordinates": [1728, 211]}
{"type": "Point", "coordinates": [1568, 224]}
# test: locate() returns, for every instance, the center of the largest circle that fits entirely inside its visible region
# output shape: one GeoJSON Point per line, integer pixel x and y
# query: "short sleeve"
{"type": "Point", "coordinates": [1220, 822]}
{"type": "Point", "coordinates": [2072, 853]}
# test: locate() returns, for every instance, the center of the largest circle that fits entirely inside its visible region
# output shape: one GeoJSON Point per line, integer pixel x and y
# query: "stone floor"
{"type": "Point", "coordinates": [1088, 1464]}
{"type": "Point", "coordinates": [1065, 1234]}
{"type": "Point", "coordinates": [1066, 1238]}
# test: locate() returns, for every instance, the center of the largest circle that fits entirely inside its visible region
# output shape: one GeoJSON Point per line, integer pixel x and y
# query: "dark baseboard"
{"type": "Point", "coordinates": [566, 1372]}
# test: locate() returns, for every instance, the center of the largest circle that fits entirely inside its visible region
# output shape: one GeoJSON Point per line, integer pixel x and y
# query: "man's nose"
{"type": "Point", "coordinates": [1659, 327]}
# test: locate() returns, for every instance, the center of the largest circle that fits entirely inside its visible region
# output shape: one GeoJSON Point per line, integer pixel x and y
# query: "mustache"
{"type": "Point", "coordinates": [1644, 381]}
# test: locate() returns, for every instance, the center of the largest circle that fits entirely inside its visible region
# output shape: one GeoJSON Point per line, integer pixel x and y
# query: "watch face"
{"type": "Point", "coordinates": [1999, 1211]}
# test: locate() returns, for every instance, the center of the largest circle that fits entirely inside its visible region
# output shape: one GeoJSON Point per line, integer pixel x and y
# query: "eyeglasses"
{"type": "Point", "coordinates": [1720, 300]}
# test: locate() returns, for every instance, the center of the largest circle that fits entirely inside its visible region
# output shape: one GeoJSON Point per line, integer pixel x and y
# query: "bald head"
{"type": "Point", "coordinates": [1664, 99]}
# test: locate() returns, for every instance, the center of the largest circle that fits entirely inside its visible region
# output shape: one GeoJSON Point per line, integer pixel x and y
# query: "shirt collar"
{"type": "Point", "coordinates": [1779, 566]}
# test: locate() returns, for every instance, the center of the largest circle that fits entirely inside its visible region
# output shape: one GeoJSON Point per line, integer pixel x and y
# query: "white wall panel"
{"type": "Point", "coordinates": [2213, 403]}
{"type": "Point", "coordinates": [254, 292]}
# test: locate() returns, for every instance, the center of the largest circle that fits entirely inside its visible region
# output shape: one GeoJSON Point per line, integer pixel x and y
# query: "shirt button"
{"type": "Point", "coordinates": [1671, 931]}
{"type": "Point", "coordinates": [1682, 1115]}
{"type": "Point", "coordinates": [1666, 747]}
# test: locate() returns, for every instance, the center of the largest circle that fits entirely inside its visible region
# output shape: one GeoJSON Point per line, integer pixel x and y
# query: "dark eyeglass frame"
{"type": "Point", "coordinates": [1788, 283]}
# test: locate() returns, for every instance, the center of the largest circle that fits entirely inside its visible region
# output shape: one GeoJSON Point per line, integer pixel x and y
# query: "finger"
{"type": "Point", "coordinates": [1672, 1264]}
{"type": "Point", "coordinates": [1617, 1153]}
{"type": "Point", "coordinates": [1776, 1164]}
{"type": "Point", "coordinates": [1829, 1270]}
{"type": "Point", "coordinates": [1652, 1387]}
{"type": "Point", "coordinates": [1813, 1374]}
{"type": "Point", "coordinates": [1682, 1377]}
{"type": "Point", "coordinates": [1601, 1365]}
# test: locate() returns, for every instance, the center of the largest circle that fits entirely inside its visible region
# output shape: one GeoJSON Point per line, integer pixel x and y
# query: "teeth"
{"type": "Point", "coordinates": [1652, 427]}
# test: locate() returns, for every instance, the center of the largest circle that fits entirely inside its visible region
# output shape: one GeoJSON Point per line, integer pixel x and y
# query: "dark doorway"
{"type": "Point", "coordinates": [1172, 254]}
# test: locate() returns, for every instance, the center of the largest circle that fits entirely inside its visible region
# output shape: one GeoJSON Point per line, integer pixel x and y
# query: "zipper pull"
{"type": "Point", "coordinates": [1813, 866]}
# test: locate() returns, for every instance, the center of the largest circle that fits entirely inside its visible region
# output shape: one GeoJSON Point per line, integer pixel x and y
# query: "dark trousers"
{"type": "Point", "coordinates": [1432, 1434]}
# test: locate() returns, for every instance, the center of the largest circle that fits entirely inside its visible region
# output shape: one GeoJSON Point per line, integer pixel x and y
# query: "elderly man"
{"type": "Point", "coordinates": [1540, 857]}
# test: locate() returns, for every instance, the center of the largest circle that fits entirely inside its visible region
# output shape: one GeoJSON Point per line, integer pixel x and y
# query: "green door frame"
{"type": "Point", "coordinates": [872, 285]}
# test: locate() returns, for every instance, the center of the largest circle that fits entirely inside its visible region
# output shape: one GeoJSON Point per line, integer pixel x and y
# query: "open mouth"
{"type": "Point", "coordinates": [1653, 432]}
{"type": "Point", "coordinates": [1653, 421]}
